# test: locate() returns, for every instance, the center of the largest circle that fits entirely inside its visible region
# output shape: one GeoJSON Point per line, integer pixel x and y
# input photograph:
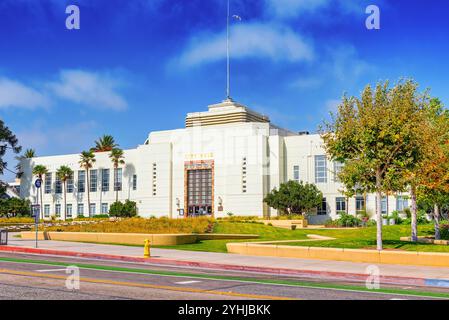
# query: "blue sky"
{"type": "Point", "coordinates": [137, 66]}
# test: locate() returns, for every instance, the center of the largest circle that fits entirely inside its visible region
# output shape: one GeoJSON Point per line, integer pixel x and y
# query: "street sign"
{"type": "Point", "coordinates": [38, 183]}
{"type": "Point", "coordinates": [36, 212]}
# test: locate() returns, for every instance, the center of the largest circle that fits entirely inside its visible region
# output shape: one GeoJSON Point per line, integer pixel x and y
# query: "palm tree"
{"type": "Point", "coordinates": [29, 154]}
{"type": "Point", "coordinates": [86, 162]}
{"type": "Point", "coordinates": [117, 157]}
{"type": "Point", "coordinates": [64, 173]}
{"type": "Point", "coordinates": [40, 171]}
{"type": "Point", "coordinates": [105, 144]}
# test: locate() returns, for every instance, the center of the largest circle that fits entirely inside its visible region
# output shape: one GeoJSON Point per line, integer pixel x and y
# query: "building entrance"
{"type": "Point", "coordinates": [199, 185]}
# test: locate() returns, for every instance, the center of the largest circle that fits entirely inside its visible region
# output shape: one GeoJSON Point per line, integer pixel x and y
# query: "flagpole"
{"type": "Point", "coordinates": [228, 87]}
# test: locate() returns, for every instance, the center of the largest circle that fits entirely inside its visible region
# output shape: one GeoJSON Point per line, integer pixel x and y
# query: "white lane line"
{"type": "Point", "coordinates": [50, 270]}
{"type": "Point", "coordinates": [187, 282]}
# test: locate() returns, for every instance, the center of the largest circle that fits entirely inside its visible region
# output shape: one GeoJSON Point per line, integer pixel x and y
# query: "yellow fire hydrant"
{"type": "Point", "coordinates": [146, 249]}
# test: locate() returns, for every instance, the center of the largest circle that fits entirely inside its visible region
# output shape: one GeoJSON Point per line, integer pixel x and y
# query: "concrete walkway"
{"type": "Point", "coordinates": [240, 260]}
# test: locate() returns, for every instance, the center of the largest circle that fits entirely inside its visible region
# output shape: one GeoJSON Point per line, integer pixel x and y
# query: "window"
{"type": "Point", "coordinates": [401, 203]}
{"type": "Point", "coordinates": [244, 185]}
{"type": "Point", "coordinates": [322, 210]}
{"type": "Point", "coordinates": [104, 208]}
{"type": "Point", "coordinates": [383, 205]}
{"type": "Point", "coordinates": [135, 182]}
{"type": "Point", "coordinates": [93, 180]}
{"type": "Point", "coordinates": [338, 166]}
{"type": "Point", "coordinates": [105, 180]}
{"type": "Point", "coordinates": [80, 210]}
{"type": "Point", "coordinates": [296, 173]}
{"type": "Point", "coordinates": [48, 182]}
{"type": "Point", "coordinates": [320, 169]}
{"type": "Point", "coordinates": [92, 209]}
{"type": "Point", "coordinates": [340, 204]}
{"type": "Point", "coordinates": [70, 184]}
{"type": "Point", "coordinates": [359, 203]}
{"type": "Point", "coordinates": [69, 210]}
{"type": "Point", "coordinates": [154, 179]}
{"type": "Point", "coordinates": [58, 210]}
{"type": "Point", "coordinates": [118, 180]}
{"type": "Point", "coordinates": [47, 211]}
{"type": "Point", "coordinates": [58, 185]}
{"type": "Point", "coordinates": [82, 181]}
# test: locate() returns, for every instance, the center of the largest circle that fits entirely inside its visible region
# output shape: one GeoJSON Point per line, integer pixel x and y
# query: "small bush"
{"type": "Point", "coordinates": [345, 220]}
{"type": "Point", "coordinates": [125, 210]}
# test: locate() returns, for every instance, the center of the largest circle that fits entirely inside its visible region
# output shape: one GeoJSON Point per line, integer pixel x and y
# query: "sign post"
{"type": "Point", "coordinates": [36, 209]}
{"type": "Point", "coordinates": [35, 213]}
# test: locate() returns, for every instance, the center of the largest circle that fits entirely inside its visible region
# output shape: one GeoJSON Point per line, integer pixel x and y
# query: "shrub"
{"type": "Point", "coordinates": [15, 207]}
{"type": "Point", "coordinates": [420, 219]}
{"type": "Point", "coordinates": [126, 210]}
{"type": "Point", "coordinates": [142, 225]}
{"type": "Point", "coordinates": [345, 220]}
{"type": "Point", "coordinates": [444, 229]}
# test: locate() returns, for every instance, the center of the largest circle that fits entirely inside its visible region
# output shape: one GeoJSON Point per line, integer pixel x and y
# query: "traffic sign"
{"type": "Point", "coordinates": [38, 183]}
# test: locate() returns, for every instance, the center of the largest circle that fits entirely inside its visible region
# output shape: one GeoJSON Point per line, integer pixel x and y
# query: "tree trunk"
{"type": "Point", "coordinates": [379, 210]}
{"type": "Point", "coordinates": [42, 202]}
{"type": "Point", "coordinates": [87, 187]}
{"type": "Point", "coordinates": [65, 201]}
{"type": "Point", "coordinates": [115, 183]}
{"type": "Point", "coordinates": [414, 211]}
{"type": "Point", "coordinates": [347, 205]}
{"type": "Point", "coordinates": [436, 216]}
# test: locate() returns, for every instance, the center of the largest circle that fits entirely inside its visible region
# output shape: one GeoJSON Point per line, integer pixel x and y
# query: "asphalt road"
{"type": "Point", "coordinates": [39, 277]}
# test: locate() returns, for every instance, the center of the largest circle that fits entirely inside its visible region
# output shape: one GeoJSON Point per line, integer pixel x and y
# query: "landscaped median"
{"type": "Point", "coordinates": [434, 259]}
{"type": "Point", "coordinates": [133, 238]}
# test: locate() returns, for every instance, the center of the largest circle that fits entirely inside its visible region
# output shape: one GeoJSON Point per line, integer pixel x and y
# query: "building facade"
{"type": "Point", "coordinates": [224, 161]}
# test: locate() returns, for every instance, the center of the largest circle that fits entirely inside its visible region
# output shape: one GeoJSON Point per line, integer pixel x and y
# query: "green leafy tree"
{"type": "Point", "coordinates": [40, 171]}
{"type": "Point", "coordinates": [294, 198]}
{"type": "Point", "coordinates": [432, 174]}
{"type": "Point", "coordinates": [105, 144]}
{"type": "Point", "coordinates": [375, 136]}
{"type": "Point", "coordinates": [116, 156]}
{"type": "Point", "coordinates": [8, 141]}
{"type": "Point", "coordinates": [15, 207]}
{"type": "Point", "coordinates": [87, 160]}
{"type": "Point", "coordinates": [64, 173]}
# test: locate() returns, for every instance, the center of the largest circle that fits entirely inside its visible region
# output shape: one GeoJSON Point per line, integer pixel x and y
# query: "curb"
{"type": "Point", "coordinates": [329, 275]}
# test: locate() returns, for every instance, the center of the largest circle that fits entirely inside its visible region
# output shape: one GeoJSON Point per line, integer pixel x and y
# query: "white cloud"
{"type": "Point", "coordinates": [291, 8]}
{"type": "Point", "coordinates": [308, 83]}
{"type": "Point", "coordinates": [14, 94]}
{"type": "Point", "coordinates": [332, 105]}
{"type": "Point", "coordinates": [93, 89]}
{"type": "Point", "coordinates": [250, 40]}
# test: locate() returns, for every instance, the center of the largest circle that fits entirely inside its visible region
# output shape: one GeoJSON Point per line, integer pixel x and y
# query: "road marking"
{"type": "Point", "coordinates": [187, 282]}
{"type": "Point", "coordinates": [144, 285]}
{"type": "Point", "coordinates": [145, 272]}
{"type": "Point", "coordinates": [51, 270]}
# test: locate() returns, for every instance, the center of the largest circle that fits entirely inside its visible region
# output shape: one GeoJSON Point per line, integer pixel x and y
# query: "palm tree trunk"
{"type": "Point", "coordinates": [115, 183]}
{"type": "Point", "coordinates": [88, 192]}
{"type": "Point", "coordinates": [65, 201]}
{"type": "Point", "coordinates": [379, 210]}
{"type": "Point", "coordinates": [414, 211]}
{"type": "Point", "coordinates": [436, 216]}
{"type": "Point", "coordinates": [42, 202]}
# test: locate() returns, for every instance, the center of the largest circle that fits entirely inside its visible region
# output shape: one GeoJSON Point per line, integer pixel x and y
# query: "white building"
{"type": "Point", "coordinates": [225, 160]}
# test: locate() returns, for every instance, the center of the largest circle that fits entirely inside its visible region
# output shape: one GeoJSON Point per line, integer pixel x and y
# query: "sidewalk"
{"type": "Point", "coordinates": [411, 275]}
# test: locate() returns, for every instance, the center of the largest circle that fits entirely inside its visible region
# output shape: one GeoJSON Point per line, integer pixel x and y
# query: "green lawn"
{"type": "Point", "coordinates": [364, 238]}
